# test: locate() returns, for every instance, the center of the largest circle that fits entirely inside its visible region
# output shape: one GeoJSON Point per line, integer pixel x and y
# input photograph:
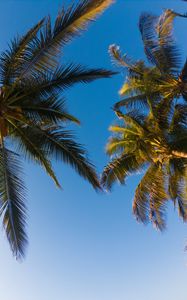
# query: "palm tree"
{"type": "Point", "coordinates": [33, 116]}
{"type": "Point", "coordinates": [154, 134]}
{"type": "Point", "coordinates": [139, 145]}
{"type": "Point", "coordinates": [162, 79]}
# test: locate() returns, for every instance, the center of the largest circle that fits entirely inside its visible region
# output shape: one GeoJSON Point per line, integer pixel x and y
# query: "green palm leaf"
{"type": "Point", "coordinates": [178, 186]}
{"type": "Point", "coordinates": [150, 197]}
{"type": "Point", "coordinates": [30, 147]}
{"type": "Point", "coordinates": [158, 41]}
{"type": "Point", "coordinates": [12, 59]}
{"type": "Point", "coordinates": [119, 168]}
{"type": "Point", "coordinates": [46, 109]}
{"type": "Point", "coordinates": [12, 199]}
{"type": "Point", "coordinates": [69, 23]}
{"type": "Point", "coordinates": [132, 102]}
{"type": "Point", "coordinates": [53, 142]}
{"type": "Point", "coordinates": [45, 83]}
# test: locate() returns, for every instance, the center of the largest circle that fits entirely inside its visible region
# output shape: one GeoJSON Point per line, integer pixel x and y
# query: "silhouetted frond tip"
{"type": "Point", "coordinates": [12, 204]}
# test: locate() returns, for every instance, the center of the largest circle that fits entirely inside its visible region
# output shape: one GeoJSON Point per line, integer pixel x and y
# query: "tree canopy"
{"type": "Point", "coordinates": [33, 113]}
{"type": "Point", "coordinates": [153, 136]}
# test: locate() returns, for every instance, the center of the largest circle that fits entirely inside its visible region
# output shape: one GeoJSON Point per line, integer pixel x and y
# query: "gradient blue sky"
{"type": "Point", "coordinates": [83, 245]}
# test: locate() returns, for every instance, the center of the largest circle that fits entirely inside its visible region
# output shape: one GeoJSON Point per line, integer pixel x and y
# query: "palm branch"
{"type": "Point", "coordinates": [12, 202]}
{"type": "Point", "coordinates": [39, 49]}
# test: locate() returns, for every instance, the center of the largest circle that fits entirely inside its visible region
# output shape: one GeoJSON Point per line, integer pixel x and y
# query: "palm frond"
{"type": "Point", "coordinates": [46, 109]}
{"type": "Point", "coordinates": [123, 130]}
{"type": "Point", "coordinates": [163, 112]}
{"type": "Point", "coordinates": [132, 102]}
{"type": "Point", "coordinates": [159, 45]}
{"type": "Point", "coordinates": [177, 186]}
{"type": "Point", "coordinates": [12, 201]}
{"type": "Point", "coordinates": [179, 117]}
{"type": "Point", "coordinates": [69, 23]}
{"type": "Point", "coordinates": [133, 119]}
{"type": "Point", "coordinates": [116, 145]}
{"type": "Point", "coordinates": [150, 197]}
{"type": "Point", "coordinates": [55, 142]}
{"type": "Point", "coordinates": [30, 146]}
{"type": "Point", "coordinates": [133, 67]}
{"type": "Point", "coordinates": [119, 168]}
{"type": "Point", "coordinates": [164, 27]}
{"type": "Point", "coordinates": [183, 74]}
{"type": "Point", "coordinates": [11, 60]}
{"type": "Point", "coordinates": [45, 83]}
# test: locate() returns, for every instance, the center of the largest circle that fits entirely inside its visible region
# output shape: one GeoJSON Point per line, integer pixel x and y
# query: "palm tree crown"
{"type": "Point", "coordinates": [153, 135]}
{"type": "Point", "coordinates": [139, 144]}
{"type": "Point", "coordinates": [33, 116]}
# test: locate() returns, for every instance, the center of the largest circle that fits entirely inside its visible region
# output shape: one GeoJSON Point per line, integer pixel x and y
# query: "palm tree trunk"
{"type": "Point", "coordinates": [179, 154]}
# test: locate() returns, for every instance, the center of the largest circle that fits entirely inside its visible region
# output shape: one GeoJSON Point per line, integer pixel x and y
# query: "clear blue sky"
{"type": "Point", "coordinates": [85, 246]}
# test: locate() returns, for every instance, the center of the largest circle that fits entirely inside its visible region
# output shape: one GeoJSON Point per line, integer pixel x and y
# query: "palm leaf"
{"type": "Point", "coordinates": [132, 102]}
{"type": "Point", "coordinates": [179, 117]}
{"type": "Point", "coordinates": [45, 83]}
{"type": "Point", "coordinates": [55, 142]}
{"type": "Point", "coordinates": [119, 168]}
{"type": "Point", "coordinates": [12, 199]}
{"type": "Point", "coordinates": [133, 67]}
{"type": "Point", "coordinates": [116, 145]}
{"type": "Point", "coordinates": [133, 119]}
{"type": "Point", "coordinates": [30, 147]}
{"type": "Point", "coordinates": [150, 197]}
{"type": "Point", "coordinates": [11, 60]}
{"type": "Point", "coordinates": [46, 109]}
{"type": "Point", "coordinates": [159, 46]}
{"type": "Point", "coordinates": [177, 186]}
{"type": "Point", "coordinates": [69, 23]}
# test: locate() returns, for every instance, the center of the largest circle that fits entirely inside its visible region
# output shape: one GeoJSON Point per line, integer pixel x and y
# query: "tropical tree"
{"type": "Point", "coordinates": [33, 116]}
{"type": "Point", "coordinates": [139, 145]}
{"type": "Point", "coordinates": [162, 79]}
{"type": "Point", "coordinates": [153, 138]}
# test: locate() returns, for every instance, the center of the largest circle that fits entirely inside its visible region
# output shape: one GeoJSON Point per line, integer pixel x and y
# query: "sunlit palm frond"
{"type": "Point", "coordinates": [135, 68]}
{"type": "Point", "coordinates": [133, 119]}
{"type": "Point", "coordinates": [150, 197]}
{"type": "Point", "coordinates": [164, 27]}
{"type": "Point", "coordinates": [69, 23]}
{"type": "Point", "coordinates": [116, 145]}
{"type": "Point", "coordinates": [132, 102]}
{"type": "Point", "coordinates": [159, 45]}
{"type": "Point", "coordinates": [121, 167]}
